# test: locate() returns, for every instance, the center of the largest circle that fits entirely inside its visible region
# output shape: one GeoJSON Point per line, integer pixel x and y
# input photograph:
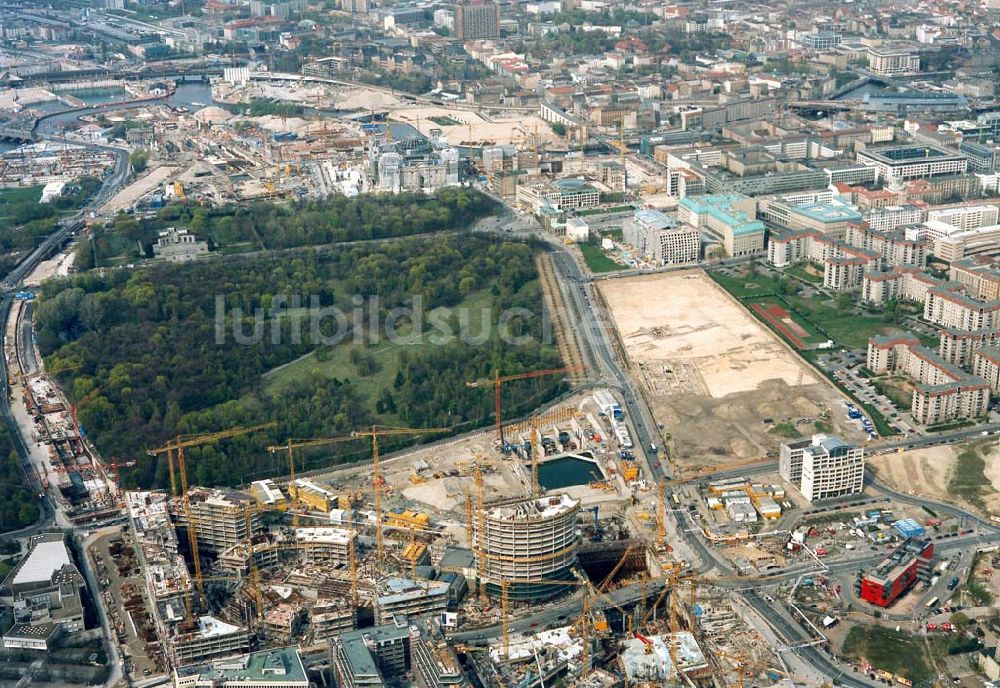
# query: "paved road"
{"type": "Point", "coordinates": [793, 634]}
{"type": "Point", "coordinates": [598, 350]}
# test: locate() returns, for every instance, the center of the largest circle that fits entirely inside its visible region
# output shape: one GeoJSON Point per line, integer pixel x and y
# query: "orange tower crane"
{"type": "Point", "coordinates": [178, 445]}
{"type": "Point", "coordinates": [497, 380]}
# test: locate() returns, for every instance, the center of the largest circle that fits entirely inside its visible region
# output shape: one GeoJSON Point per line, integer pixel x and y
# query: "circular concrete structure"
{"type": "Point", "coordinates": [530, 543]}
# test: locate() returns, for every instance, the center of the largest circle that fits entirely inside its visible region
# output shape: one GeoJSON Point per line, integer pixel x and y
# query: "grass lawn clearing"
{"type": "Point", "coordinates": [886, 649]}
{"type": "Point", "coordinates": [21, 194]}
{"type": "Point", "coordinates": [799, 270]}
{"type": "Point", "coordinates": [745, 287]}
{"type": "Point", "coordinates": [898, 391]}
{"type": "Point", "coordinates": [785, 429]}
{"type": "Point", "coordinates": [969, 478]}
{"type": "Point", "coordinates": [597, 260]}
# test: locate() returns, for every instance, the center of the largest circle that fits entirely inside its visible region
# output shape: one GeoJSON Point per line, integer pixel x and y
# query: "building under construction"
{"type": "Point", "coordinates": [219, 518]}
{"type": "Point", "coordinates": [529, 544]}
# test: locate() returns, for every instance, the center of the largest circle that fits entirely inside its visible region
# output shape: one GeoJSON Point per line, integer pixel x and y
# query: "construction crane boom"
{"type": "Point", "coordinates": [178, 445]}
{"type": "Point", "coordinates": [497, 380]}
{"type": "Point", "coordinates": [374, 433]}
{"type": "Point", "coordinates": [290, 446]}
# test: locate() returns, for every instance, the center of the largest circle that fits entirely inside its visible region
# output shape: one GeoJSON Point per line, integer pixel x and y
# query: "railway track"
{"type": "Point", "coordinates": [555, 305]}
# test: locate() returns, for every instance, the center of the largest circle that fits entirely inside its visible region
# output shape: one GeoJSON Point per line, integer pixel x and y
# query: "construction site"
{"type": "Point", "coordinates": [62, 461]}
{"type": "Point", "coordinates": [529, 575]}
{"type": "Point", "coordinates": [705, 365]}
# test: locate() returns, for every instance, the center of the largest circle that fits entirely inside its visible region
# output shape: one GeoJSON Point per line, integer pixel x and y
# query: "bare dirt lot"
{"type": "Point", "coordinates": [918, 471]}
{"type": "Point", "coordinates": [709, 368]}
{"type": "Point", "coordinates": [929, 472]}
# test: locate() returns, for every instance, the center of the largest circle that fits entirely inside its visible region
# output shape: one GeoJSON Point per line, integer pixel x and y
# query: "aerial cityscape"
{"type": "Point", "coordinates": [479, 343]}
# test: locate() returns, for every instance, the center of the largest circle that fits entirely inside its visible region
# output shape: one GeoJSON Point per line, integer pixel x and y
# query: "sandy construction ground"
{"type": "Point", "coordinates": [927, 472]}
{"type": "Point", "coordinates": [57, 266]}
{"type": "Point", "coordinates": [125, 198]}
{"type": "Point", "coordinates": [716, 378]}
{"type": "Point", "coordinates": [686, 317]}
{"type": "Point", "coordinates": [474, 128]}
{"type": "Point", "coordinates": [918, 471]}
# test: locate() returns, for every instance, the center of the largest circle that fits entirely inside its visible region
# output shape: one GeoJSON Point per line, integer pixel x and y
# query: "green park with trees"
{"type": "Point", "coordinates": [144, 361]}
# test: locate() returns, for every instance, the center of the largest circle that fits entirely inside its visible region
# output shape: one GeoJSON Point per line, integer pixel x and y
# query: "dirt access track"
{"type": "Point", "coordinates": [711, 372]}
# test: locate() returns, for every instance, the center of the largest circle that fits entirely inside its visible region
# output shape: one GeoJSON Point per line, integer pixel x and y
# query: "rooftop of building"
{"type": "Point", "coordinates": [323, 535]}
{"type": "Point", "coordinates": [901, 558]}
{"type": "Point", "coordinates": [399, 590]}
{"type": "Point", "coordinates": [211, 627]}
{"type": "Point", "coordinates": [532, 509]}
{"type": "Point", "coordinates": [653, 219]}
{"type": "Point", "coordinates": [829, 212]}
{"type": "Point", "coordinates": [457, 558]}
{"type": "Point", "coordinates": [641, 664]}
{"type": "Point", "coordinates": [27, 631]}
{"type": "Point", "coordinates": [896, 154]}
{"type": "Point", "coordinates": [281, 665]}
{"type": "Point", "coordinates": [310, 486]}
{"type": "Point", "coordinates": [990, 353]}
{"type": "Point", "coordinates": [219, 497]}
{"type": "Point", "coordinates": [266, 491]}
{"type": "Point", "coordinates": [721, 206]}
{"type": "Point", "coordinates": [45, 559]}
{"type": "Point", "coordinates": [888, 340]}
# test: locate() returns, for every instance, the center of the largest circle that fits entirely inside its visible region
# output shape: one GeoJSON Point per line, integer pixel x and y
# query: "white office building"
{"type": "Point", "coordinates": [823, 467]}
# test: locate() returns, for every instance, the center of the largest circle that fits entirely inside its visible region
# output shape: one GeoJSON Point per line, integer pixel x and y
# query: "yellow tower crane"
{"type": "Point", "coordinates": [178, 445]}
{"type": "Point", "coordinates": [374, 433]}
{"type": "Point", "coordinates": [291, 445]}
{"type": "Point", "coordinates": [254, 587]}
{"type": "Point", "coordinates": [537, 450]}
{"type": "Point", "coordinates": [497, 380]}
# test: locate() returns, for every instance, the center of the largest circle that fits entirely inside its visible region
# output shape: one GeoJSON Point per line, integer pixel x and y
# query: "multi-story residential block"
{"type": "Point", "coordinates": [958, 347]}
{"type": "Point", "coordinates": [986, 364]}
{"type": "Point", "coordinates": [657, 237]}
{"type": "Point", "coordinates": [823, 467]}
{"type": "Point", "coordinates": [942, 391]}
{"type": "Point", "coordinates": [894, 247]}
{"type": "Point", "coordinates": [888, 61]}
{"type": "Point", "coordinates": [885, 352]}
{"type": "Point", "coordinates": [844, 265]}
{"type": "Point", "coordinates": [980, 281]}
{"type": "Point", "coordinates": [729, 218]}
{"type": "Point", "coordinates": [902, 282]}
{"type": "Point", "coordinates": [477, 19]}
{"type": "Point", "coordinates": [949, 308]}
